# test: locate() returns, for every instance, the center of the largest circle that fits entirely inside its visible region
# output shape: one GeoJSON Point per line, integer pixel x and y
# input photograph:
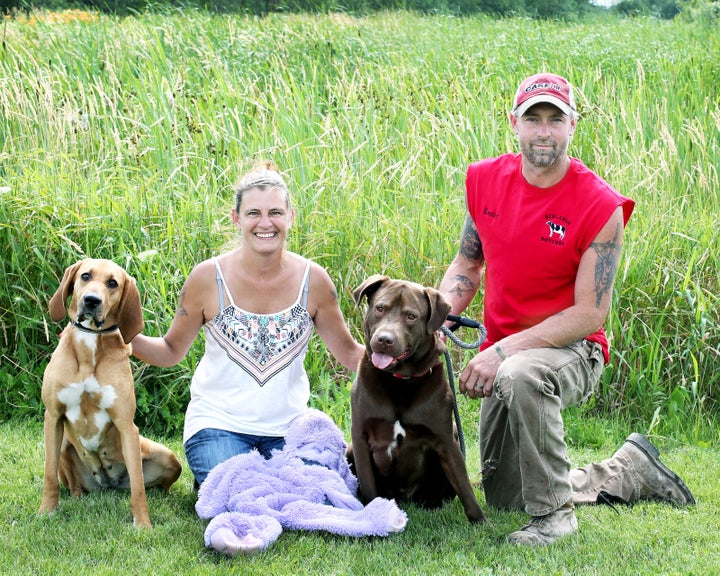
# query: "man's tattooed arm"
{"type": "Point", "coordinates": [470, 248]}
{"type": "Point", "coordinates": [462, 285]}
{"type": "Point", "coordinates": [608, 254]}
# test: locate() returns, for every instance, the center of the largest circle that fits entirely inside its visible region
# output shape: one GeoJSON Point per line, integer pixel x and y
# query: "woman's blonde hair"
{"type": "Point", "coordinates": [263, 175]}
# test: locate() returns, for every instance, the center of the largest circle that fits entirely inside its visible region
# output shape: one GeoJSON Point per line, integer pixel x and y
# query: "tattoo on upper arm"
{"type": "Point", "coordinates": [608, 254]}
{"type": "Point", "coordinates": [181, 311]}
{"type": "Point", "coordinates": [462, 285]}
{"type": "Point", "coordinates": [470, 245]}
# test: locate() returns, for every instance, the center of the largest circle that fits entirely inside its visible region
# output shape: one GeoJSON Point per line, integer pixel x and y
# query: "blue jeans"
{"type": "Point", "coordinates": [210, 447]}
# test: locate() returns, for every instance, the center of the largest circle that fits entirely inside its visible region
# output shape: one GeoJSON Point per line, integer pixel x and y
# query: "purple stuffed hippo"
{"type": "Point", "coordinates": [305, 486]}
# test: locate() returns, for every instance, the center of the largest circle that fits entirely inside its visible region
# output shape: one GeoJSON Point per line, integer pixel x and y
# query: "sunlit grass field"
{"type": "Point", "coordinates": [121, 138]}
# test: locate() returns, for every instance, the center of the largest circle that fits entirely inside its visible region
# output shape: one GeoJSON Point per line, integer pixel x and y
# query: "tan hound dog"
{"type": "Point", "coordinates": [91, 440]}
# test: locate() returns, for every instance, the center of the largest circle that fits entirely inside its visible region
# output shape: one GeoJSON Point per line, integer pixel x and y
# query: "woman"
{"type": "Point", "coordinates": [258, 305]}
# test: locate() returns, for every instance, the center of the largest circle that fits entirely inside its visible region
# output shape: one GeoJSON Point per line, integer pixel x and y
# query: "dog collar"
{"type": "Point", "coordinates": [428, 371]}
{"type": "Point", "coordinates": [91, 331]}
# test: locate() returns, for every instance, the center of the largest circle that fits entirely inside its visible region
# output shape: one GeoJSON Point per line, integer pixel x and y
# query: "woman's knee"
{"type": "Point", "coordinates": [208, 448]}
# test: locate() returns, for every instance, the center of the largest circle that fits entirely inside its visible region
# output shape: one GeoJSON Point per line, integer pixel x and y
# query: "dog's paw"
{"type": "Point", "coordinates": [142, 523]}
{"type": "Point", "coordinates": [43, 510]}
{"type": "Point", "coordinates": [227, 542]}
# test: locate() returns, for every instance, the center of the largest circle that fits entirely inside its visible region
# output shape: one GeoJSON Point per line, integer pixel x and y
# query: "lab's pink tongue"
{"type": "Point", "coordinates": [381, 361]}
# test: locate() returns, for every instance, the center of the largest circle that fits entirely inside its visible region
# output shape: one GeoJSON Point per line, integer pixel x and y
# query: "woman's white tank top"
{"type": "Point", "coordinates": [251, 378]}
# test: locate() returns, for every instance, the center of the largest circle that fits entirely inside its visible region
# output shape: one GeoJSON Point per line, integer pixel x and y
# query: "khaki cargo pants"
{"type": "Point", "coordinates": [522, 446]}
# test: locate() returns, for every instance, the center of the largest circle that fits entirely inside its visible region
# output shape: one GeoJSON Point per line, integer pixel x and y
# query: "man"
{"type": "Point", "coordinates": [547, 233]}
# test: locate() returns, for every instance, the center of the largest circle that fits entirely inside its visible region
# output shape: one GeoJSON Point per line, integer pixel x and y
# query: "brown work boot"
{"type": "Point", "coordinates": [654, 480]}
{"type": "Point", "coordinates": [544, 530]}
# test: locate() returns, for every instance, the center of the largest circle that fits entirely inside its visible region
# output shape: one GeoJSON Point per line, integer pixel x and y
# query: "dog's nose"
{"type": "Point", "coordinates": [91, 302]}
{"type": "Point", "coordinates": [385, 338]}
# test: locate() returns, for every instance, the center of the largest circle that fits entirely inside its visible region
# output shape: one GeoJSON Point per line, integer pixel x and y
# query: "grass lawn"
{"type": "Point", "coordinates": [94, 535]}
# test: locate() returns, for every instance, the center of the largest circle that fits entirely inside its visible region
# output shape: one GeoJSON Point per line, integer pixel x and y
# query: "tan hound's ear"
{"type": "Point", "coordinates": [59, 299]}
{"type": "Point", "coordinates": [439, 309]}
{"type": "Point", "coordinates": [368, 287]}
{"type": "Point", "coordinates": [130, 314]}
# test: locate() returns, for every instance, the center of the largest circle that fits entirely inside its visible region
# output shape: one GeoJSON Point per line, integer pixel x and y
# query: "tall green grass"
{"type": "Point", "coordinates": [120, 138]}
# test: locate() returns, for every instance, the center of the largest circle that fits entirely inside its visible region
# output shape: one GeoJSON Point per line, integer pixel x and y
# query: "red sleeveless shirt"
{"type": "Point", "coordinates": [533, 238]}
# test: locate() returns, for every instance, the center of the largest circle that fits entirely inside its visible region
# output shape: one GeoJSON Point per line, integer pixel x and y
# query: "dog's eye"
{"type": "Point", "coordinates": [379, 308]}
{"type": "Point", "coordinates": [411, 316]}
{"type": "Point", "coordinates": [112, 283]}
{"type": "Point", "coordinates": [85, 276]}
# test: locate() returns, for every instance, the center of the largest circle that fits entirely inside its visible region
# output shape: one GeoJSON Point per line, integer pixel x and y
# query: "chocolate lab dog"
{"type": "Point", "coordinates": [404, 441]}
{"type": "Point", "coordinates": [91, 441]}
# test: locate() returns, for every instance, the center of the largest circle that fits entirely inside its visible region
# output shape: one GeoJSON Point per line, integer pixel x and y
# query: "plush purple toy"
{"type": "Point", "coordinates": [305, 486]}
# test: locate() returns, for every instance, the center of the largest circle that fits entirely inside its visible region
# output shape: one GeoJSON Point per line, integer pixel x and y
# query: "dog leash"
{"type": "Point", "coordinates": [449, 332]}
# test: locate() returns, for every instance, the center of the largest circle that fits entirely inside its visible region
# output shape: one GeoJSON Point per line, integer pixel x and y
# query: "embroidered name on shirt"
{"type": "Point", "coordinates": [490, 213]}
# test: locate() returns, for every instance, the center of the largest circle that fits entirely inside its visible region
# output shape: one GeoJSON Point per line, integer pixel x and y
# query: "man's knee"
{"type": "Point", "coordinates": [516, 380]}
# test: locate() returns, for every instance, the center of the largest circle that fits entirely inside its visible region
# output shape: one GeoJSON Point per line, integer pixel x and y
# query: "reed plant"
{"type": "Point", "coordinates": [120, 138]}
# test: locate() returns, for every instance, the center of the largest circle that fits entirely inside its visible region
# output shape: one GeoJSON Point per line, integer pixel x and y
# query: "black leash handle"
{"type": "Point", "coordinates": [463, 321]}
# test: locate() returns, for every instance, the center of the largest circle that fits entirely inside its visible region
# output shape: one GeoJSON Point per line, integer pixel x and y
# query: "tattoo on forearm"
{"type": "Point", "coordinates": [470, 246]}
{"type": "Point", "coordinates": [462, 285]}
{"type": "Point", "coordinates": [607, 262]}
{"type": "Point", "coordinates": [181, 311]}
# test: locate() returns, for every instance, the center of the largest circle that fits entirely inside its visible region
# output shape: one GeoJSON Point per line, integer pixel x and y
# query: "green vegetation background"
{"type": "Point", "coordinates": [120, 138]}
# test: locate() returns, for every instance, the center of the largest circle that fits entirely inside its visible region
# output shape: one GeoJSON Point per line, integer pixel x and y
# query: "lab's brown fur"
{"type": "Point", "coordinates": [404, 440]}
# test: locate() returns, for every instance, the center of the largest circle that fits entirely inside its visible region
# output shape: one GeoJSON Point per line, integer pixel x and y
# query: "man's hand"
{"type": "Point", "coordinates": [476, 380]}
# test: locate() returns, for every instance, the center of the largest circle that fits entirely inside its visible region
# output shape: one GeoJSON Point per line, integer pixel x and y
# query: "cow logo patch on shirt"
{"type": "Point", "coordinates": [556, 227]}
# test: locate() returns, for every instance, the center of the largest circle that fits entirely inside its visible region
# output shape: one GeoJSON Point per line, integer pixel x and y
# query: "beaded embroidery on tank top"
{"type": "Point", "coordinates": [262, 344]}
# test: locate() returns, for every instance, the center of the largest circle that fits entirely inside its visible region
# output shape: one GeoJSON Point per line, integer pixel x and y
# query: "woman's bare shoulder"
{"type": "Point", "coordinates": [322, 287]}
{"type": "Point", "coordinates": [203, 269]}
{"type": "Point", "coordinates": [201, 276]}
{"type": "Point", "coordinates": [318, 274]}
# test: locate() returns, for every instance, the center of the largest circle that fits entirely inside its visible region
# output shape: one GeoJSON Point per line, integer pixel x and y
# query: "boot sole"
{"type": "Point", "coordinates": [653, 454]}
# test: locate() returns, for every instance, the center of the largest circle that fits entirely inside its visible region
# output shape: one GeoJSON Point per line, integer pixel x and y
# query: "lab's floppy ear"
{"type": "Point", "coordinates": [130, 314]}
{"type": "Point", "coordinates": [439, 309]}
{"type": "Point", "coordinates": [369, 287]}
{"type": "Point", "coordinates": [58, 301]}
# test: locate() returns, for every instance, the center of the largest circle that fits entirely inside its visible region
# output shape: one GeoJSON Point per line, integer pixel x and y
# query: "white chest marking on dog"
{"type": "Point", "coordinates": [398, 434]}
{"type": "Point", "coordinates": [89, 340]}
{"type": "Point", "coordinates": [72, 397]}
